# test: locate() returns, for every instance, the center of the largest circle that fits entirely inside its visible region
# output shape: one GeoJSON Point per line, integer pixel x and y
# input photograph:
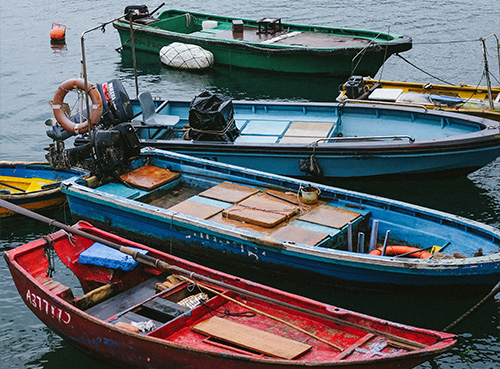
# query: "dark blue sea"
{"type": "Point", "coordinates": [446, 45]}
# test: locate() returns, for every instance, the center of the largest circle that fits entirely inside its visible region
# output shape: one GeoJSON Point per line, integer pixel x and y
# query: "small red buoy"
{"type": "Point", "coordinates": [58, 33]}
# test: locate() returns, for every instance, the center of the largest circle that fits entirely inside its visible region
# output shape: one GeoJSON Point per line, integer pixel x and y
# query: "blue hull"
{"type": "Point", "coordinates": [346, 140]}
{"type": "Point", "coordinates": [187, 234]}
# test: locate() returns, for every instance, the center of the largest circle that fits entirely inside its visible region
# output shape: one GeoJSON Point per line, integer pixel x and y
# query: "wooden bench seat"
{"type": "Point", "coordinates": [251, 338]}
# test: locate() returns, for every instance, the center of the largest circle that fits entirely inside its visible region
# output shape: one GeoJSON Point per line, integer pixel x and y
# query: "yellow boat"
{"type": "Point", "coordinates": [466, 99]}
{"type": "Point", "coordinates": [33, 186]}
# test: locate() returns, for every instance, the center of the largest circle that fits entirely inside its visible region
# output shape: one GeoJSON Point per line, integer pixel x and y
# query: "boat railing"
{"type": "Point", "coordinates": [389, 103]}
{"type": "Point", "coordinates": [366, 138]}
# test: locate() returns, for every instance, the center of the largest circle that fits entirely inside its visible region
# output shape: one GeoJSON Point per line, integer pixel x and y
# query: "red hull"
{"type": "Point", "coordinates": [107, 341]}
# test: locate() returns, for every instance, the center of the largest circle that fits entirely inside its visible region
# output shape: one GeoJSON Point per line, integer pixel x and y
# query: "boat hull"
{"type": "Point", "coordinates": [174, 232]}
{"type": "Point", "coordinates": [44, 198]}
{"type": "Point", "coordinates": [335, 61]}
{"type": "Point", "coordinates": [108, 342]}
{"type": "Point", "coordinates": [418, 142]}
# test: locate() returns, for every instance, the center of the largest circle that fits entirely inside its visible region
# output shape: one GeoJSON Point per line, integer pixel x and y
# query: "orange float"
{"type": "Point", "coordinates": [58, 33]}
{"type": "Point", "coordinates": [60, 114]}
{"type": "Point", "coordinates": [399, 250]}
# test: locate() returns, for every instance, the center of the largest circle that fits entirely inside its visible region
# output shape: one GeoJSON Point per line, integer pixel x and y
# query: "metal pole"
{"type": "Point", "coordinates": [132, 43]}
{"type": "Point", "coordinates": [487, 73]}
{"type": "Point", "coordinates": [84, 66]}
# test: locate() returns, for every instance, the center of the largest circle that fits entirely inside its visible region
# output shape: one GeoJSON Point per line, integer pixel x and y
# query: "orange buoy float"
{"type": "Point", "coordinates": [58, 33]}
{"type": "Point", "coordinates": [60, 114]}
{"type": "Point", "coordinates": [399, 250]}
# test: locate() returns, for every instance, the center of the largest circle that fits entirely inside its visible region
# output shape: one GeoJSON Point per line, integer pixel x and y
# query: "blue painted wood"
{"type": "Point", "coordinates": [408, 225]}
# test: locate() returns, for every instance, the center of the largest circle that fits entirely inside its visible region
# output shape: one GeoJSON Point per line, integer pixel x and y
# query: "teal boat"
{"type": "Point", "coordinates": [265, 44]}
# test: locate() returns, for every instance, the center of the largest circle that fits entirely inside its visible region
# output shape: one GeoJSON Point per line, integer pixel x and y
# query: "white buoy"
{"type": "Point", "coordinates": [186, 56]}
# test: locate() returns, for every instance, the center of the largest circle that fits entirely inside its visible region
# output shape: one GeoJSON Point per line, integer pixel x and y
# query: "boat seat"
{"type": "Point", "coordinates": [149, 114]}
{"type": "Point", "coordinates": [251, 338]}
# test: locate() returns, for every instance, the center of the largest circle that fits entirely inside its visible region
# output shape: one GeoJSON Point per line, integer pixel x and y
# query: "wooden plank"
{"type": "Point", "coordinates": [309, 129]}
{"type": "Point", "coordinates": [229, 192]}
{"type": "Point", "coordinates": [349, 350]}
{"type": "Point", "coordinates": [255, 217]}
{"type": "Point", "coordinates": [299, 235]}
{"type": "Point", "coordinates": [330, 216]}
{"type": "Point", "coordinates": [149, 177]}
{"type": "Point", "coordinates": [251, 338]}
{"type": "Point", "coordinates": [261, 209]}
{"type": "Point", "coordinates": [196, 209]}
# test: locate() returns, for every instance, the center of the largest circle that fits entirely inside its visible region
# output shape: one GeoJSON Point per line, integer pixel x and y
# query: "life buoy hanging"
{"type": "Point", "coordinates": [399, 250]}
{"type": "Point", "coordinates": [58, 101]}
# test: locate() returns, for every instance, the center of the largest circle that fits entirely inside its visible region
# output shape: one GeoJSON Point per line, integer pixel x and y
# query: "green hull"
{"type": "Point", "coordinates": [350, 51]}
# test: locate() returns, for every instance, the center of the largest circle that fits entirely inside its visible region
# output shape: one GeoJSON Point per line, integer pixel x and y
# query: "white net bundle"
{"type": "Point", "coordinates": [186, 56]}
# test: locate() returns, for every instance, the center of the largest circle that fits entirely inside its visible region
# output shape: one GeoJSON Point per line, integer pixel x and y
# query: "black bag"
{"type": "Point", "coordinates": [211, 118]}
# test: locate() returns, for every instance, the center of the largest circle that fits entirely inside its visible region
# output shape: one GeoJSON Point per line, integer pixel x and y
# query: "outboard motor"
{"type": "Point", "coordinates": [117, 109]}
{"type": "Point", "coordinates": [211, 119]}
{"type": "Point", "coordinates": [354, 87]}
{"type": "Point", "coordinates": [108, 153]}
{"type": "Point", "coordinates": [140, 14]}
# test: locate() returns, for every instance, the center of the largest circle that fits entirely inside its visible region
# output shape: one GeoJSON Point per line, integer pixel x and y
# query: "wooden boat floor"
{"type": "Point", "coordinates": [330, 216]}
{"type": "Point", "coordinates": [251, 338]}
{"type": "Point", "coordinates": [125, 299]}
{"type": "Point", "coordinates": [229, 192]}
{"type": "Point", "coordinates": [307, 39]}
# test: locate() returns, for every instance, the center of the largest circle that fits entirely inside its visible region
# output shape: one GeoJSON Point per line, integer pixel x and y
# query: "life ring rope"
{"type": "Point", "coordinates": [58, 103]}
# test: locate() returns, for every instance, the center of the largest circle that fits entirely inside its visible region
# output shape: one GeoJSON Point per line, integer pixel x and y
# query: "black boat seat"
{"type": "Point", "coordinates": [149, 115]}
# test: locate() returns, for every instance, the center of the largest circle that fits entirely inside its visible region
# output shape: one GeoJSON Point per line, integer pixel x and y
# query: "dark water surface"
{"type": "Point", "coordinates": [445, 35]}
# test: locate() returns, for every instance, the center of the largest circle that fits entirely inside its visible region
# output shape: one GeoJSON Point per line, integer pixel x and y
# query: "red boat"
{"type": "Point", "coordinates": [176, 314]}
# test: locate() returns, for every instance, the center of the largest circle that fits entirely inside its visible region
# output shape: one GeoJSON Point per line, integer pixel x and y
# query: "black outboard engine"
{"type": "Point", "coordinates": [211, 119]}
{"type": "Point", "coordinates": [117, 109]}
{"type": "Point", "coordinates": [108, 153]}
{"type": "Point", "coordinates": [140, 14]}
{"type": "Point", "coordinates": [354, 87]}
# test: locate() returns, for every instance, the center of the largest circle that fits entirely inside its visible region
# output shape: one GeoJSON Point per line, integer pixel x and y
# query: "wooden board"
{"type": "Point", "coordinates": [251, 338]}
{"type": "Point", "coordinates": [299, 235]}
{"type": "Point", "coordinates": [149, 177]}
{"type": "Point", "coordinates": [261, 209]}
{"type": "Point", "coordinates": [196, 209]}
{"type": "Point", "coordinates": [229, 192]}
{"type": "Point", "coordinates": [330, 216]}
{"type": "Point", "coordinates": [309, 129]}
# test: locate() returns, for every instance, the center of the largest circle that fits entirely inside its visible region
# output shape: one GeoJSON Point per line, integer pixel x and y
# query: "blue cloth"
{"type": "Point", "coordinates": [102, 255]}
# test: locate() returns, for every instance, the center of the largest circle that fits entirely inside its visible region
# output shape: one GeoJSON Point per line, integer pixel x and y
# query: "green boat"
{"type": "Point", "coordinates": [266, 44]}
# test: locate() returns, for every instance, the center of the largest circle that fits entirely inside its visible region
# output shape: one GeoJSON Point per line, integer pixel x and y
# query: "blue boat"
{"type": "Point", "coordinates": [329, 139]}
{"type": "Point", "coordinates": [301, 138]}
{"type": "Point", "coordinates": [32, 185]}
{"type": "Point", "coordinates": [213, 210]}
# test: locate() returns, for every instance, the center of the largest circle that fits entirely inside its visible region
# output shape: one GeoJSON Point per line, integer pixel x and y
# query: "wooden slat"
{"type": "Point", "coordinates": [196, 209]}
{"type": "Point", "coordinates": [229, 192]}
{"type": "Point", "coordinates": [309, 129]}
{"type": "Point", "coordinates": [299, 235]}
{"type": "Point", "coordinates": [149, 177]}
{"type": "Point", "coordinates": [262, 210]}
{"type": "Point", "coordinates": [349, 350]}
{"type": "Point", "coordinates": [330, 216]}
{"type": "Point", "coordinates": [251, 338]}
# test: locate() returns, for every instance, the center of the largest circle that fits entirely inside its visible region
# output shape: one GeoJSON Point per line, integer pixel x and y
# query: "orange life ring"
{"type": "Point", "coordinates": [398, 250]}
{"type": "Point", "coordinates": [60, 114]}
